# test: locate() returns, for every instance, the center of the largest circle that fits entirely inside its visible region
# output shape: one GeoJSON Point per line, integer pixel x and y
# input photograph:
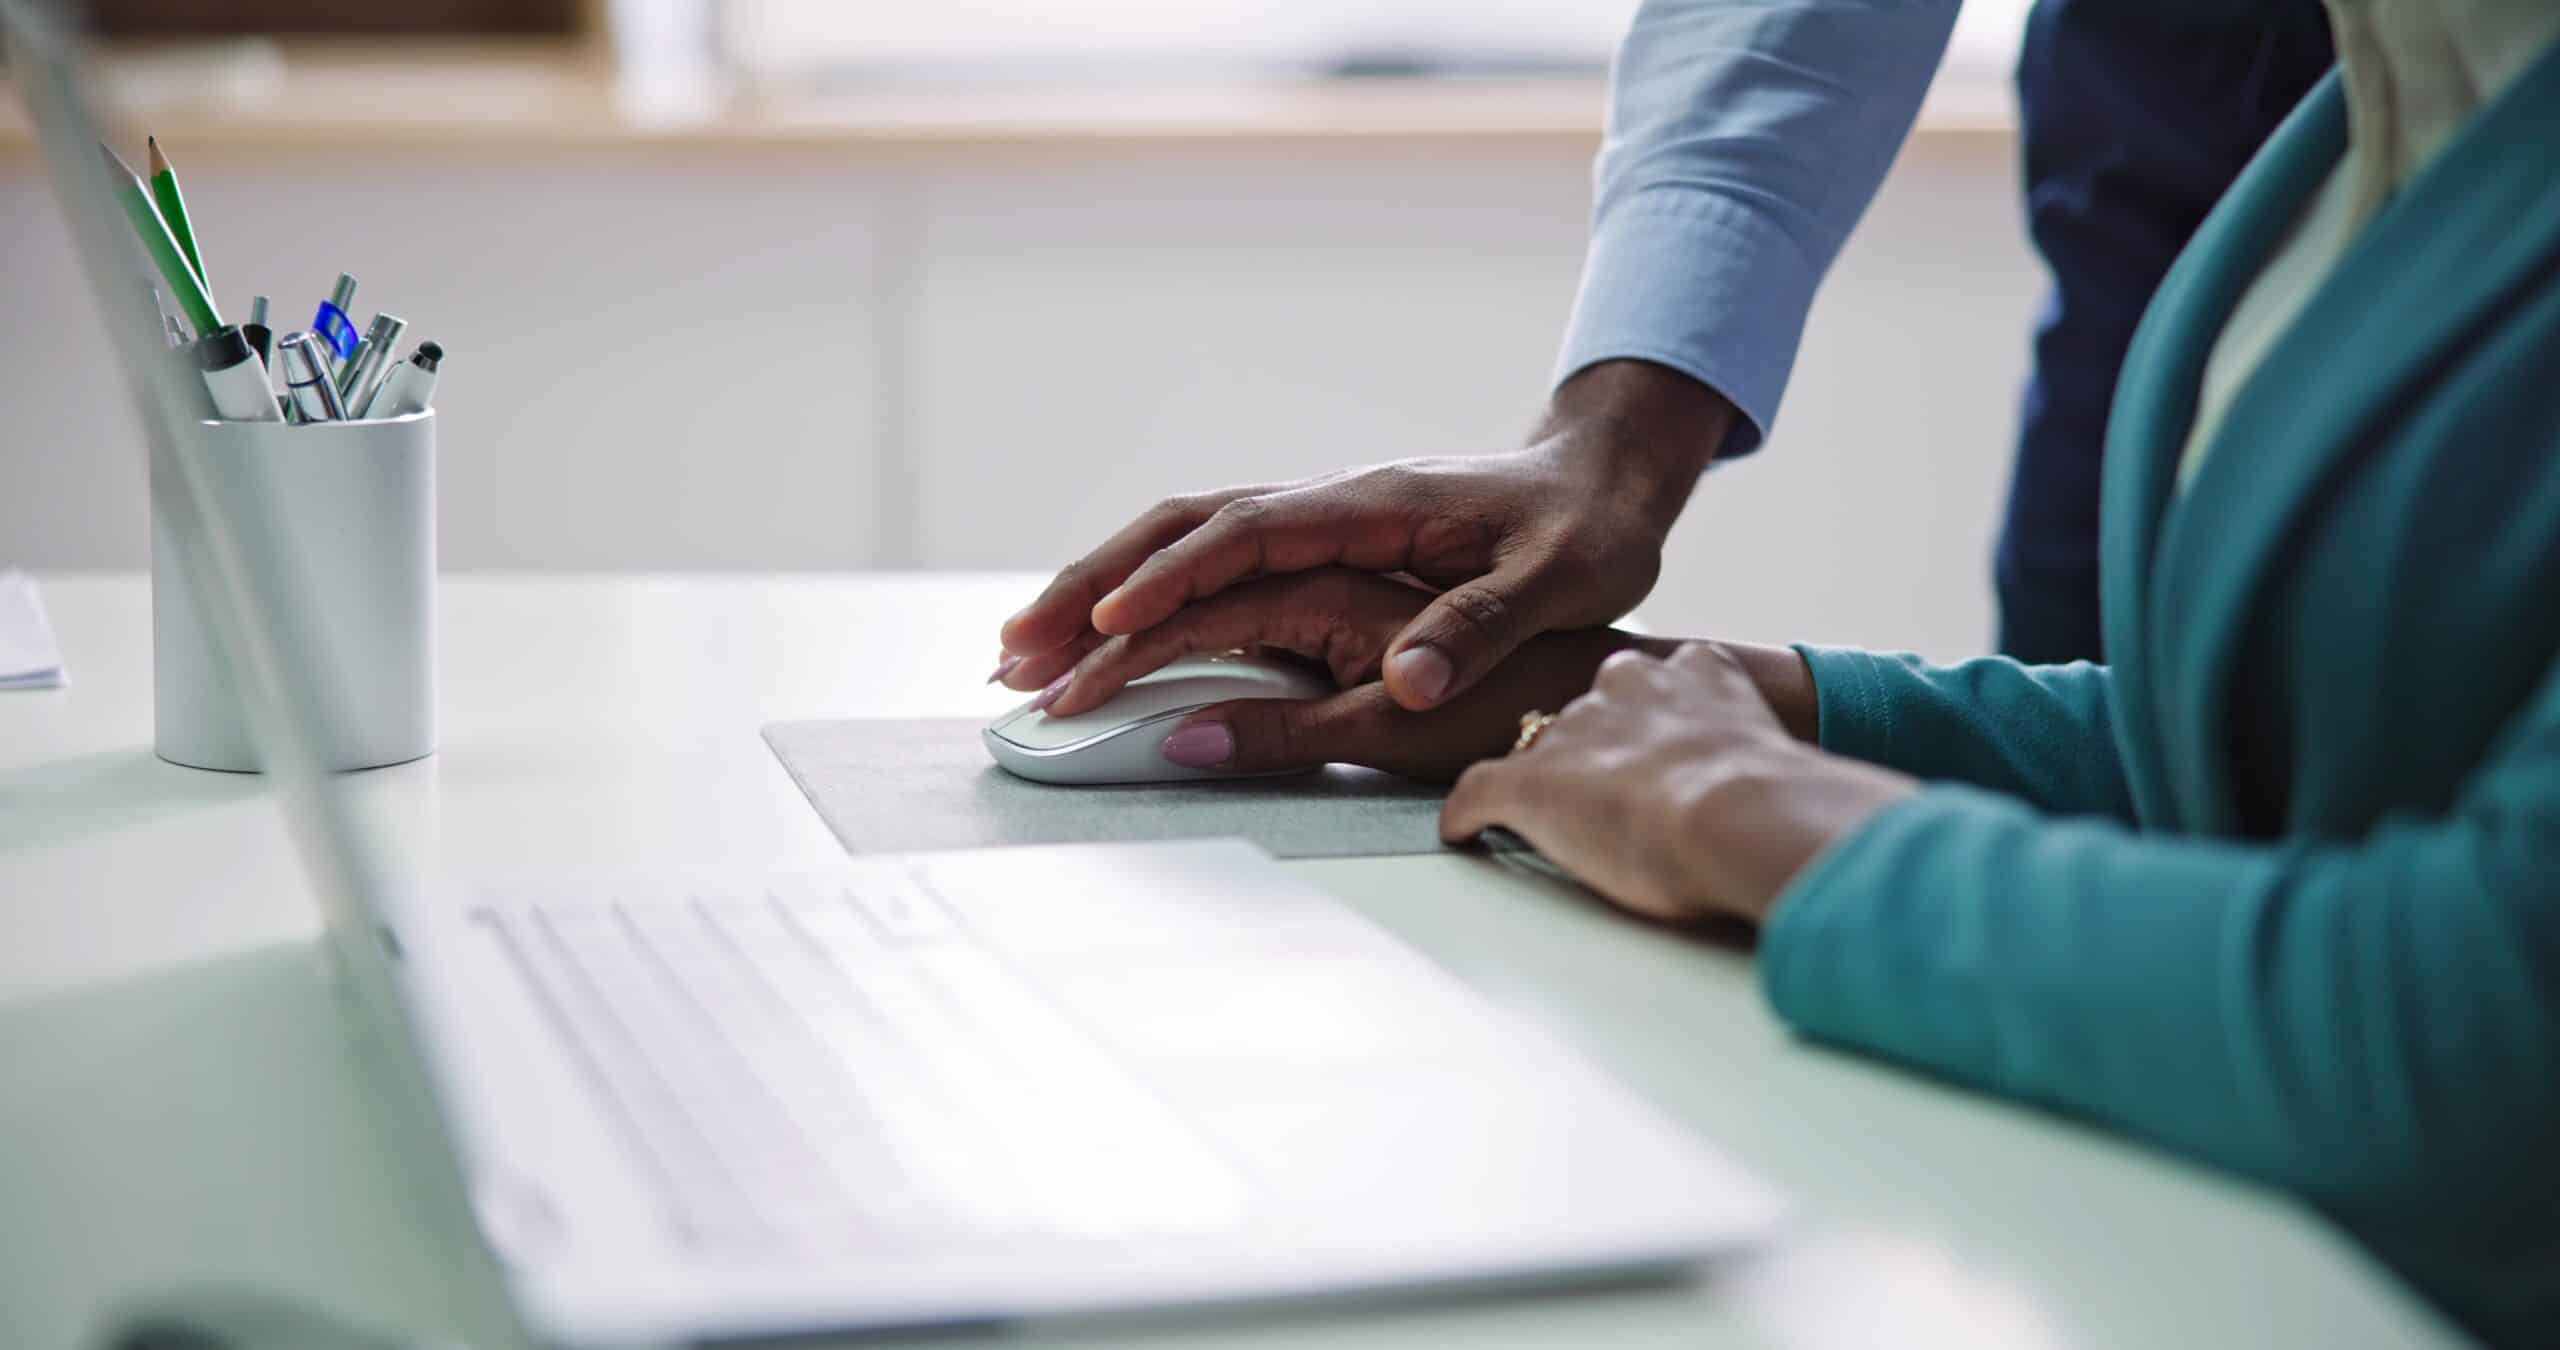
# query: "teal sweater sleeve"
{"type": "Point", "coordinates": [2373, 1023]}
{"type": "Point", "coordinates": [2044, 734]}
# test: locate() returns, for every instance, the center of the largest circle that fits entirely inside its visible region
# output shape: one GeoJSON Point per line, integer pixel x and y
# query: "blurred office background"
{"type": "Point", "coordinates": [824, 284]}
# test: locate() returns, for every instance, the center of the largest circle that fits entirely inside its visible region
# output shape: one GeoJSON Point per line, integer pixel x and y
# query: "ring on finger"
{"type": "Point", "coordinates": [1533, 724]}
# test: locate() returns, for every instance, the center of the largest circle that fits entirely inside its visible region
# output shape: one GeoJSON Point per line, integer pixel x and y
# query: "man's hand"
{"type": "Point", "coordinates": [1342, 618]}
{"type": "Point", "coordinates": [1564, 534]}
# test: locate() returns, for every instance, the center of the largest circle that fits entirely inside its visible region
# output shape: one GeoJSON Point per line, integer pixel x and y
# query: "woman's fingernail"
{"type": "Point", "coordinates": [1423, 671]}
{"type": "Point", "coordinates": [1042, 700]}
{"type": "Point", "coordinates": [1202, 745]}
{"type": "Point", "coordinates": [1004, 668]}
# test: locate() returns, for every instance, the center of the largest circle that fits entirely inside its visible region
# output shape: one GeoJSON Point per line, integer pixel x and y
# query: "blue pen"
{"type": "Point", "coordinates": [331, 324]}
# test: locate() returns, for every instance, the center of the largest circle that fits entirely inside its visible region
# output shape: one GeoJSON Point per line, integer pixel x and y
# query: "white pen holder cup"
{"type": "Point", "coordinates": [338, 521]}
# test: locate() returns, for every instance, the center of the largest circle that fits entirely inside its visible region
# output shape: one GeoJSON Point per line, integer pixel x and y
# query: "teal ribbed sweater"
{"type": "Point", "coordinates": [2280, 887]}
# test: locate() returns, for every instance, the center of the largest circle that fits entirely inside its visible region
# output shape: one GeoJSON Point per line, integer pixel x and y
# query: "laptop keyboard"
{"type": "Point", "coordinates": [832, 1061]}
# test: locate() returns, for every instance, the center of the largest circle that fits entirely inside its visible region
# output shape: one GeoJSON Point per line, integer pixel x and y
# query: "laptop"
{"type": "Point", "coordinates": [910, 1091]}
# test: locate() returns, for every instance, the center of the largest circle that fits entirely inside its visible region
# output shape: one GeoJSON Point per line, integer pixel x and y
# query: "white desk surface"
{"type": "Point", "coordinates": [179, 1100]}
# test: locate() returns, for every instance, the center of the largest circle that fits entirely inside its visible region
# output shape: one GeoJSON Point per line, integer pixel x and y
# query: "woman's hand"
{"type": "Point", "coordinates": [1565, 534]}
{"type": "Point", "coordinates": [1344, 619]}
{"type": "Point", "coordinates": [1674, 788]}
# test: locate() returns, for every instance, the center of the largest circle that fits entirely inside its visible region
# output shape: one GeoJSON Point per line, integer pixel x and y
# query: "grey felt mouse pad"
{"type": "Point", "coordinates": [889, 786]}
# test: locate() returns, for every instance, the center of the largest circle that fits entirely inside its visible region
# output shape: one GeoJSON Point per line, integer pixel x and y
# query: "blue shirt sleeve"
{"type": "Point", "coordinates": [1745, 139]}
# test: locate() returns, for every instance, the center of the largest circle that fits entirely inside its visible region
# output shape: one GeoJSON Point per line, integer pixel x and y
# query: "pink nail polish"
{"type": "Point", "coordinates": [1045, 697]}
{"type": "Point", "coordinates": [1004, 668]}
{"type": "Point", "coordinates": [1202, 745]}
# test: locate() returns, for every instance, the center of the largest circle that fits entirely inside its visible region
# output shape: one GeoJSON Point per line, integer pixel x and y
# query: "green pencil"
{"type": "Point", "coordinates": [173, 211]}
{"type": "Point", "coordinates": [164, 250]}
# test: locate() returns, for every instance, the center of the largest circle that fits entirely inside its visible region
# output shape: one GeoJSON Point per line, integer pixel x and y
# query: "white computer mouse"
{"type": "Point", "coordinates": [1116, 743]}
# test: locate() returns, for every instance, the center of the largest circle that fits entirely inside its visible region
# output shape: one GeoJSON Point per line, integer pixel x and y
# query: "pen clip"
{"type": "Point", "coordinates": [333, 326]}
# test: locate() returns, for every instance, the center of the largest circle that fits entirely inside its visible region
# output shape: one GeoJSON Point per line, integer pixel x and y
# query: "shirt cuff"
{"type": "Point", "coordinates": [1704, 284]}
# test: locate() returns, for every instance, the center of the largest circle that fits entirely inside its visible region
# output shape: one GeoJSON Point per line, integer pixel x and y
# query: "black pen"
{"type": "Point", "coordinates": [261, 338]}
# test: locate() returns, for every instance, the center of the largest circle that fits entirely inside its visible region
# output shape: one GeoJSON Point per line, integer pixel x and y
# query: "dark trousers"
{"type": "Point", "coordinates": [2135, 118]}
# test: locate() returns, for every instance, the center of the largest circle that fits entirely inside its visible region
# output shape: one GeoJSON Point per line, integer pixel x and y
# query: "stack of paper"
{"type": "Point", "coordinates": [28, 657]}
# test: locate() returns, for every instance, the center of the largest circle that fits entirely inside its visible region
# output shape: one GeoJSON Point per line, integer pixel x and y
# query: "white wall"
{"type": "Point", "coordinates": [791, 358]}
